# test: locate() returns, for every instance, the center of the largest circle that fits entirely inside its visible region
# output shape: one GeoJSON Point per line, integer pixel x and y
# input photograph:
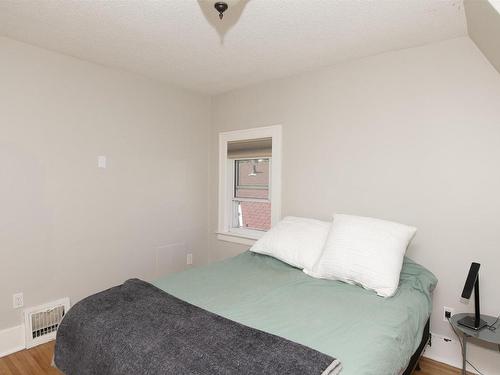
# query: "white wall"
{"type": "Point", "coordinates": [411, 136]}
{"type": "Point", "coordinates": [68, 228]}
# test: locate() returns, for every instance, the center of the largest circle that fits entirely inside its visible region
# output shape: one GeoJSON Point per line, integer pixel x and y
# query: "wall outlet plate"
{"type": "Point", "coordinates": [448, 313]}
{"type": "Point", "coordinates": [17, 300]}
{"type": "Point", "coordinates": [101, 161]}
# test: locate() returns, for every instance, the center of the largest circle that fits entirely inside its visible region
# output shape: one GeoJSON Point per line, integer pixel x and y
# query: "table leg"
{"type": "Point", "coordinates": [464, 355]}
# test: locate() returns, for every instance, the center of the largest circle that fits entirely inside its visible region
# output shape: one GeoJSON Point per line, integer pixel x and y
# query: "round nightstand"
{"type": "Point", "coordinates": [486, 334]}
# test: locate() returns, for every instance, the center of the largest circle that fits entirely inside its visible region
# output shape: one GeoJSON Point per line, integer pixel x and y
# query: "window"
{"type": "Point", "coordinates": [251, 199]}
{"type": "Point", "coordinates": [249, 183]}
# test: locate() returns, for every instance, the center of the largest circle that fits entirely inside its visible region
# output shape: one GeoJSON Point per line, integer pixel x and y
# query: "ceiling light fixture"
{"type": "Point", "coordinates": [222, 6]}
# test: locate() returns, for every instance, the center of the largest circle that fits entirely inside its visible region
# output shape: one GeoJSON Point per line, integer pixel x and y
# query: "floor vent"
{"type": "Point", "coordinates": [41, 322]}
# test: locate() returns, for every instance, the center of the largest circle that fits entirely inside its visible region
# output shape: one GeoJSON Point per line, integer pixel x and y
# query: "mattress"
{"type": "Point", "coordinates": [367, 333]}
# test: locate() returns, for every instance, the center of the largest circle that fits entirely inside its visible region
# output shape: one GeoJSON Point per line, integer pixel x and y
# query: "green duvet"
{"type": "Point", "coordinates": [367, 333]}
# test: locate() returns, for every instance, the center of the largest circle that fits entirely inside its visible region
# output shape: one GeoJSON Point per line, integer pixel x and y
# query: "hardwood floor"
{"type": "Point", "coordinates": [37, 361]}
{"type": "Point", "coordinates": [430, 367]}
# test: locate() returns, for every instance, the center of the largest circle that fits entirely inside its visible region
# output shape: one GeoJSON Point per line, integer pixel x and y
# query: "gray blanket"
{"type": "Point", "coordinates": [136, 328]}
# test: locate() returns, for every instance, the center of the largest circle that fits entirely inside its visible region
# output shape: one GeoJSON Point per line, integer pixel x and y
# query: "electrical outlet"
{"type": "Point", "coordinates": [17, 300]}
{"type": "Point", "coordinates": [189, 259]}
{"type": "Point", "coordinates": [447, 313]}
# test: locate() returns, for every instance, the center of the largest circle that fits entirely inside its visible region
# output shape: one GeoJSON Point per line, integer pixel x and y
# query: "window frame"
{"type": "Point", "coordinates": [225, 231]}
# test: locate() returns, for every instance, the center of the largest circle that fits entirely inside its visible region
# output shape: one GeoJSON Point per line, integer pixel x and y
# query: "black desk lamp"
{"type": "Point", "coordinates": [473, 321]}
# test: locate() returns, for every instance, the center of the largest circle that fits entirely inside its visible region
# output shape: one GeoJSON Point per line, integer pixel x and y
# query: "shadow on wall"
{"type": "Point", "coordinates": [231, 16]}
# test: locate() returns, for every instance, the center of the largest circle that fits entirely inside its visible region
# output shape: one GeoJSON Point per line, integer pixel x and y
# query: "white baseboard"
{"type": "Point", "coordinates": [445, 350]}
{"type": "Point", "coordinates": [12, 340]}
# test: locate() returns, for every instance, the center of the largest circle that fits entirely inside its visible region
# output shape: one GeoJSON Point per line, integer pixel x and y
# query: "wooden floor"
{"type": "Point", "coordinates": [430, 367]}
{"type": "Point", "coordinates": [37, 361]}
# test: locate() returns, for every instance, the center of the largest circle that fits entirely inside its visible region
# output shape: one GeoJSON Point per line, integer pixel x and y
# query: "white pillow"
{"type": "Point", "coordinates": [297, 241]}
{"type": "Point", "coordinates": [365, 251]}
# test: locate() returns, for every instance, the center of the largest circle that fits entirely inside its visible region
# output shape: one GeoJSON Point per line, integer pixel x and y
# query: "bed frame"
{"type": "Point", "coordinates": [414, 365]}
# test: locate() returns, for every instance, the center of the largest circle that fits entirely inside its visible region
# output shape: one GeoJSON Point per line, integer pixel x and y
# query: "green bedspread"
{"type": "Point", "coordinates": [367, 333]}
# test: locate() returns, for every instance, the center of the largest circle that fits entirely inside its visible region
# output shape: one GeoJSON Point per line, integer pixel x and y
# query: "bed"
{"type": "Point", "coordinates": [367, 333]}
{"type": "Point", "coordinates": [322, 319]}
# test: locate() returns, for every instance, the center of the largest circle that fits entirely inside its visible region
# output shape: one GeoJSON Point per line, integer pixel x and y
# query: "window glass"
{"type": "Point", "coordinates": [252, 178]}
{"type": "Point", "coordinates": [252, 215]}
{"type": "Point", "coordinates": [251, 204]}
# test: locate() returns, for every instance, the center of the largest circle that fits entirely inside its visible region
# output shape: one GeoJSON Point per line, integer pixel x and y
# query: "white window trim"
{"type": "Point", "coordinates": [245, 236]}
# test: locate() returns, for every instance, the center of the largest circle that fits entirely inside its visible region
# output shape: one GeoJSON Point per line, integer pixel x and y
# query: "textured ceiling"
{"type": "Point", "coordinates": [183, 42]}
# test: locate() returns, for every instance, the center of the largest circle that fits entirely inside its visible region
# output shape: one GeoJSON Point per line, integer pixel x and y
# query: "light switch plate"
{"type": "Point", "coordinates": [101, 161]}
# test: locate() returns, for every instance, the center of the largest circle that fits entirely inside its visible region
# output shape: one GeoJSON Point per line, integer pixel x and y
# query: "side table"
{"type": "Point", "coordinates": [486, 334]}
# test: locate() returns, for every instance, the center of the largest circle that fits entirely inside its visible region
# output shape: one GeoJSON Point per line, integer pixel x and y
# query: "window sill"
{"type": "Point", "coordinates": [244, 239]}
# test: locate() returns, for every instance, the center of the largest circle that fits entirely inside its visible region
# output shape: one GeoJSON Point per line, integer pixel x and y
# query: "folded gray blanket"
{"type": "Point", "coordinates": [136, 328]}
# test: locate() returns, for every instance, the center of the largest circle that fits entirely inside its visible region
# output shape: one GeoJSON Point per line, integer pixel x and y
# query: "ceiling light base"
{"type": "Point", "coordinates": [220, 7]}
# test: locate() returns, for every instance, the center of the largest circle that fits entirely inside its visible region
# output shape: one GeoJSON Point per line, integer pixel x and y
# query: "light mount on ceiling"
{"type": "Point", "coordinates": [221, 7]}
